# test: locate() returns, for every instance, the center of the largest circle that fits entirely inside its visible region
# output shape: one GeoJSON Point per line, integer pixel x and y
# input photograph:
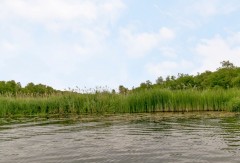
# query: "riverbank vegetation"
{"type": "Point", "coordinates": [208, 91]}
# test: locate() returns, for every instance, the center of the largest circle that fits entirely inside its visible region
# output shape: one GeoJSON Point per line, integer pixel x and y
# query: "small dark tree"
{"type": "Point", "coordinates": [113, 91]}
{"type": "Point", "coordinates": [160, 80]}
{"type": "Point", "coordinates": [143, 85]}
{"type": "Point", "coordinates": [173, 77]}
{"type": "Point", "coordinates": [148, 83]}
{"type": "Point", "coordinates": [122, 90]}
{"type": "Point", "coordinates": [227, 64]}
{"type": "Point", "coordinates": [168, 78]}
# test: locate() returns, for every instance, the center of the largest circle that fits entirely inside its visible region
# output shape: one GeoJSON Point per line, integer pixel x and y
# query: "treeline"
{"type": "Point", "coordinates": [14, 88]}
{"type": "Point", "coordinates": [225, 77]}
{"type": "Point", "coordinates": [208, 91]}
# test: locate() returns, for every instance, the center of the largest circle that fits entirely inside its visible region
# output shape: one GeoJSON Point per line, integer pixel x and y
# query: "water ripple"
{"type": "Point", "coordinates": [171, 139]}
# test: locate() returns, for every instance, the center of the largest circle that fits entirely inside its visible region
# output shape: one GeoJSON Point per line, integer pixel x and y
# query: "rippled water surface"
{"type": "Point", "coordinates": [124, 138]}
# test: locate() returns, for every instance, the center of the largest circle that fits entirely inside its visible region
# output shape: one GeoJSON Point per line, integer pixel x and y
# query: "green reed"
{"type": "Point", "coordinates": [152, 100]}
{"type": "Point", "coordinates": [182, 100]}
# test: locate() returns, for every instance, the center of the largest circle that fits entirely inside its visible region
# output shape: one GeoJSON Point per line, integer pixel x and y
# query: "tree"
{"type": "Point", "coordinates": [227, 64]}
{"type": "Point", "coordinates": [236, 82]}
{"type": "Point", "coordinates": [160, 80]}
{"type": "Point", "coordinates": [122, 90]}
{"type": "Point", "coordinates": [168, 78]}
{"type": "Point", "coordinates": [143, 85]}
{"type": "Point", "coordinates": [173, 77]}
{"type": "Point", "coordinates": [113, 91]}
{"type": "Point", "coordinates": [38, 89]}
{"type": "Point", "coordinates": [29, 88]}
{"type": "Point", "coordinates": [13, 87]}
{"type": "Point", "coordinates": [148, 83]}
{"type": "Point", "coordinates": [2, 87]}
{"type": "Point", "coordinates": [185, 81]}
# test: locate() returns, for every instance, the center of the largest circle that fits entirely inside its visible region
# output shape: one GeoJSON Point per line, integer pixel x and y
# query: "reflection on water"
{"type": "Point", "coordinates": [131, 138]}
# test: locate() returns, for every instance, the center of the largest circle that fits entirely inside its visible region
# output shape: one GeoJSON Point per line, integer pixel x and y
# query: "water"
{"type": "Point", "coordinates": [124, 138]}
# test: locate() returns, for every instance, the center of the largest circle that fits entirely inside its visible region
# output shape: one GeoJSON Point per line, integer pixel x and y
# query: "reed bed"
{"type": "Point", "coordinates": [153, 100]}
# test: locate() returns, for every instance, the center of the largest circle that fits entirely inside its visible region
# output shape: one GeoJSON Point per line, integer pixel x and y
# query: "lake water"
{"type": "Point", "coordinates": [161, 137]}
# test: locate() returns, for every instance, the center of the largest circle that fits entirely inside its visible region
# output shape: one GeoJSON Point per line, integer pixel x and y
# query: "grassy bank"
{"type": "Point", "coordinates": [154, 100]}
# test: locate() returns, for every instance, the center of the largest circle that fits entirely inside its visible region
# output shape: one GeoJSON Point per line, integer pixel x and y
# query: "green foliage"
{"type": "Point", "coordinates": [234, 104]}
{"type": "Point", "coordinates": [122, 90]}
{"type": "Point", "coordinates": [31, 88]}
{"type": "Point", "coordinates": [9, 87]}
{"type": "Point", "coordinates": [208, 91]}
{"type": "Point", "coordinates": [13, 88]}
{"type": "Point", "coordinates": [235, 82]}
{"type": "Point", "coordinates": [227, 76]}
{"type": "Point", "coordinates": [146, 85]}
{"type": "Point", "coordinates": [160, 80]}
{"type": "Point", "coordinates": [148, 100]}
{"type": "Point", "coordinates": [227, 64]}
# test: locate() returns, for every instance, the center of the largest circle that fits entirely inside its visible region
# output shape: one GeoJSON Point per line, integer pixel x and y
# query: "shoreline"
{"type": "Point", "coordinates": [121, 117]}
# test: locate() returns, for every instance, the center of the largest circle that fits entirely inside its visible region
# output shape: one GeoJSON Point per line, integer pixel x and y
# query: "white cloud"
{"type": "Point", "coordinates": [14, 41]}
{"type": "Point", "coordinates": [139, 44]}
{"type": "Point", "coordinates": [193, 14]}
{"type": "Point", "coordinates": [208, 8]}
{"type": "Point", "coordinates": [168, 52]}
{"type": "Point", "coordinates": [94, 42]}
{"type": "Point", "coordinates": [234, 39]}
{"type": "Point", "coordinates": [7, 46]}
{"type": "Point", "coordinates": [56, 40]}
{"type": "Point", "coordinates": [166, 34]}
{"type": "Point", "coordinates": [212, 51]}
{"type": "Point", "coordinates": [43, 10]}
{"type": "Point", "coordinates": [87, 20]}
{"type": "Point", "coordinates": [205, 8]}
{"type": "Point", "coordinates": [60, 15]}
{"type": "Point", "coordinates": [161, 69]}
{"type": "Point", "coordinates": [166, 68]}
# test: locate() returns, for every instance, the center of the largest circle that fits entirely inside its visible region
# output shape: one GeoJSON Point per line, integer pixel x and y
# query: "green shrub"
{"type": "Point", "coordinates": [235, 104]}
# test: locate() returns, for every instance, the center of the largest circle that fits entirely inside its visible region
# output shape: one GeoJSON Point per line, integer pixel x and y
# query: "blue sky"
{"type": "Point", "coordinates": [89, 43]}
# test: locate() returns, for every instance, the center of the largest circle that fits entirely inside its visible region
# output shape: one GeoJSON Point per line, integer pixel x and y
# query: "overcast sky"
{"type": "Point", "coordinates": [69, 43]}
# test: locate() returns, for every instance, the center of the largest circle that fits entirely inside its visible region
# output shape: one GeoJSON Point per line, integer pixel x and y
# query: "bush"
{"type": "Point", "coordinates": [235, 104]}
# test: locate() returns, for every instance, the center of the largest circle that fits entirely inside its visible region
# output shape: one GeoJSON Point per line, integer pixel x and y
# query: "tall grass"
{"type": "Point", "coordinates": [153, 100]}
{"type": "Point", "coordinates": [185, 100]}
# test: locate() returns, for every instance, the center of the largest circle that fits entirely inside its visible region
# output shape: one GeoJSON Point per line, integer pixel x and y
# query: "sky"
{"type": "Point", "coordinates": [93, 43]}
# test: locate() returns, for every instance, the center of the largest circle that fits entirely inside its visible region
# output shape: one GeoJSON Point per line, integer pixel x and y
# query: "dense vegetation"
{"type": "Point", "coordinates": [227, 76]}
{"type": "Point", "coordinates": [14, 88]}
{"type": "Point", "coordinates": [208, 91]}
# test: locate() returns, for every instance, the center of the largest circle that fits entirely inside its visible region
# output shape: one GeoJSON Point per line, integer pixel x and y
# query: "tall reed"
{"type": "Point", "coordinates": [153, 100]}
